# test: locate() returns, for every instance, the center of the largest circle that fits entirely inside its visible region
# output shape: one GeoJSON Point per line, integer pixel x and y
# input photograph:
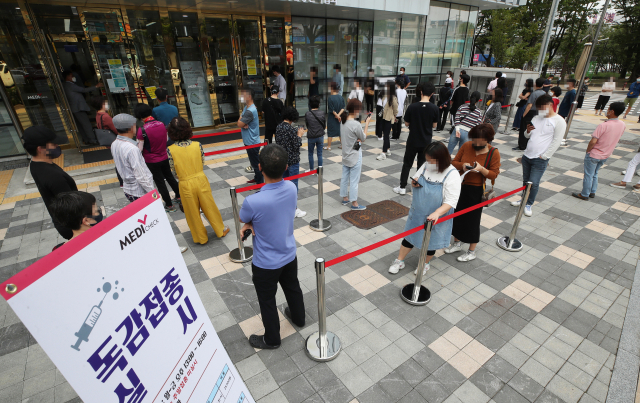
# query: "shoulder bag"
{"type": "Point", "coordinates": [488, 194]}
{"type": "Point", "coordinates": [319, 121]}
{"type": "Point", "coordinates": [105, 136]}
{"type": "Point", "coordinates": [147, 144]}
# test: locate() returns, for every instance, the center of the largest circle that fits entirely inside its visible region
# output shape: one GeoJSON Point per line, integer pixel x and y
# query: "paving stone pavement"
{"type": "Point", "coordinates": [542, 325]}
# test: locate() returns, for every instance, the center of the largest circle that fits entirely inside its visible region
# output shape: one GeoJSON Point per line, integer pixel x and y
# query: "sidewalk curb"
{"type": "Point", "coordinates": [624, 380]}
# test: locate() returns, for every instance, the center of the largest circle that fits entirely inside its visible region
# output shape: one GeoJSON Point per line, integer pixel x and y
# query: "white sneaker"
{"type": "Point", "coordinates": [516, 203]}
{"type": "Point", "coordinates": [380, 139]}
{"type": "Point", "coordinates": [396, 266]}
{"type": "Point", "coordinates": [424, 271]}
{"type": "Point", "coordinates": [467, 256]}
{"type": "Point", "coordinates": [381, 157]}
{"type": "Point", "coordinates": [399, 190]}
{"type": "Point", "coordinates": [625, 172]}
{"type": "Point", "coordinates": [183, 249]}
{"type": "Point", "coordinates": [527, 211]}
{"type": "Point", "coordinates": [388, 153]}
{"type": "Point", "coordinates": [454, 247]}
{"type": "Point", "coordinates": [300, 213]}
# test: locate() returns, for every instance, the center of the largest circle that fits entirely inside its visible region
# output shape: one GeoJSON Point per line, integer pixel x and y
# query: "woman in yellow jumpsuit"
{"type": "Point", "coordinates": [186, 158]}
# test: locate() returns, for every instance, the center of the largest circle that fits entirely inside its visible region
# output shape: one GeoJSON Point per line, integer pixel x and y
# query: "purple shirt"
{"type": "Point", "coordinates": [157, 135]}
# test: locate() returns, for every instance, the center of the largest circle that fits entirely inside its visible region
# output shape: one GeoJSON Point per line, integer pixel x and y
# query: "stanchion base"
{"type": "Point", "coordinates": [313, 347]}
{"type": "Point", "coordinates": [315, 225]}
{"type": "Point", "coordinates": [407, 293]}
{"type": "Point", "coordinates": [234, 255]}
{"type": "Point", "coordinates": [503, 242]}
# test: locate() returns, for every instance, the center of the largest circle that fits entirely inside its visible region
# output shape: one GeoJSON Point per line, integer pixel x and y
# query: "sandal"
{"type": "Point", "coordinates": [257, 341]}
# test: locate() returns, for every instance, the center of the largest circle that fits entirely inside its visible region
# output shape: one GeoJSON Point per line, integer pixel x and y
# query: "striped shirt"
{"type": "Point", "coordinates": [136, 177]}
{"type": "Point", "coordinates": [467, 119]}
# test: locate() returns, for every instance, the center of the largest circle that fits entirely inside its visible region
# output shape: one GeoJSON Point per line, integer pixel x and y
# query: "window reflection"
{"type": "Point", "coordinates": [411, 44]}
{"type": "Point", "coordinates": [434, 42]}
{"type": "Point", "coordinates": [385, 44]}
{"type": "Point", "coordinates": [456, 34]}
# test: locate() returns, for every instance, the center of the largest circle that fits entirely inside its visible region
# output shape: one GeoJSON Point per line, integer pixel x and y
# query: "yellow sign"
{"type": "Point", "coordinates": [151, 91]}
{"type": "Point", "coordinates": [222, 67]}
{"type": "Point", "coordinates": [251, 67]}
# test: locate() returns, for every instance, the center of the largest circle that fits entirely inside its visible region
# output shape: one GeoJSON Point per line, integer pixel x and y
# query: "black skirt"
{"type": "Point", "coordinates": [466, 228]}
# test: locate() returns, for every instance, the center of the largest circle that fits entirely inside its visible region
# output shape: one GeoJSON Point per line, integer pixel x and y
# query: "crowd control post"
{"type": "Point", "coordinates": [417, 294]}
{"type": "Point", "coordinates": [322, 346]}
{"type": "Point", "coordinates": [242, 253]}
{"type": "Point", "coordinates": [506, 126]}
{"type": "Point", "coordinates": [320, 224]}
{"type": "Point", "coordinates": [510, 242]}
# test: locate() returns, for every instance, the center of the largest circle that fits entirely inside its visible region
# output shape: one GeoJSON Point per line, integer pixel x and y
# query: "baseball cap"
{"type": "Point", "coordinates": [124, 121]}
{"type": "Point", "coordinates": [448, 80]}
{"type": "Point", "coordinates": [38, 136]}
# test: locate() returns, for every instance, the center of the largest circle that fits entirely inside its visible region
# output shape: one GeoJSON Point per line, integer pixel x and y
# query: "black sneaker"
{"type": "Point", "coordinates": [257, 341]}
{"type": "Point", "coordinates": [287, 313]}
{"type": "Point", "coordinates": [516, 149]}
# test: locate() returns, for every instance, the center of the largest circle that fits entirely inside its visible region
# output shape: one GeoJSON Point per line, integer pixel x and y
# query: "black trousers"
{"type": "Point", "coordinates": [161, 171]}
{"type": "Point", "coordinates": [369, 100]}
{"type": "Point", "coordinates": [378, 121]}
{"type": "Point", "coordinates": [386, 130]}
{"type": "Point", "coordinates": [409, 156]}
{"type": "Point", "coordinates": [397, 128]}
{"type": "Point", "coordinates": [444, 112]}
{"type": "Point", "coordinates": [254, 160]}
{"type": "Point", "coordinates": [266, 283]}
{"type": "Point", "coordinates": [268, 134]}
{"type": "Point", "coordinates": [526, 119]}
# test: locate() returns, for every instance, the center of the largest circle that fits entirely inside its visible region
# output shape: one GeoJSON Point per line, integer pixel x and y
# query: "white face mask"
{"type": "Point", "coordinates": [448, 76]}
{"type": "Point", "coordinates": [543, 113]}
{"type": "Point", "coordinates": [566, 86]}
{"type": "Point", "coordinates": [432, 167]}
{"type": "Point", "coordinates": [73, 79]}
{"type": "Point", "coordinates": [106, 106]}
{"type": "Point", "coordinates": [241, 100]}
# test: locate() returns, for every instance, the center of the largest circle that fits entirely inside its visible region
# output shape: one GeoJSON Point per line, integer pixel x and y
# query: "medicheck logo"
{"type": "Point", "coordinates": [143, 228]}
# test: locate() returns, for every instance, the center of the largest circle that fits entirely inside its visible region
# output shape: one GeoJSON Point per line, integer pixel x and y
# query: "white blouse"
{"type": "Point", "coordinates": [451, 187]}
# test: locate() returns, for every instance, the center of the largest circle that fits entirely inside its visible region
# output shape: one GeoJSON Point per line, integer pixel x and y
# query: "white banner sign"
{"type": "Point", "coordinates": [117, 312]}
{"type": "Point", "coordinates": [197, 93]}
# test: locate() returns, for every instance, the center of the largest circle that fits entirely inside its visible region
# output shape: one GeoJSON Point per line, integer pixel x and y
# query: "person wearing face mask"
{"type": "Point", "coordinates": [569, 96]}
{"type": "Point", "coordinates": [250, 129]}
{"type": "Point", "coordinates": [529, 113]}
{"type": "Point", "coordinates": [51, 180]}
{"type": "Point", "coordinates": [545, 132]}
{"type": "Point", "coordinates": [77, 211]}
{"type": "Point", "coordinates": [478, 161]}
{"type": "Point", "coordinates": [449, 80]}
{"type": "Point", "coordinates": [272, 113]}
{"type": "Point", "coordinates": [104, 121]}
{"type": "Point", "coordinates": [280, 82]}
{"type": "Point", "coordinates": [79, 107]}
{"type": "Point", "coordinates": [632, 96]}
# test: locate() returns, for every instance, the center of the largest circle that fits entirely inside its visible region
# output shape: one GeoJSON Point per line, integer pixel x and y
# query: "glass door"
{"type": "Point", "coordinates": [249, 56]}
{"type": "Point", "coordinates": [10, 132]}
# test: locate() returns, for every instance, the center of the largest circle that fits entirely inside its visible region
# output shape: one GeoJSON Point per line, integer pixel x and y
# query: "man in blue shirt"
{"type": "Point", "coordinates": [565, 106]}
{"type": "Point", "coordinates": [269, 215]}
{"type": "Point", "coordinates": [164, 112]}
{"type": "Point", "coordinates": [250, 129]}
{"type": "Point", "coordinates": [632, 95]}
{"type": "Point", "coordinates": [405, 79]}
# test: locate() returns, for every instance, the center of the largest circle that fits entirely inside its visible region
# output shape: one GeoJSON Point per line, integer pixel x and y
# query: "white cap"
{"type": "Point", "coordinates": [448, 80]}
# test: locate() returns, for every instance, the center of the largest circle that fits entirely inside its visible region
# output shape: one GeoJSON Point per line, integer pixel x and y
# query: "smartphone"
{"type": "Point", "coordinates": [415, 183]}
{"type": "Point", "coordinates": [246, 234]}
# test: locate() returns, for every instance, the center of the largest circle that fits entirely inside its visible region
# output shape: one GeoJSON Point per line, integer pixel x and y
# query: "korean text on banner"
{"type": "Point", "coordinates": [118, 314]}
{"type": "Point", "coordinates": [118, 83]}
{"type": "Point", "coordinates": [251, 67]}
{"type": "Point", "coordinates": [221, 64]}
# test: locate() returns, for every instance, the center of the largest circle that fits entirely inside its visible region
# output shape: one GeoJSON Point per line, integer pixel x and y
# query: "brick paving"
{"type": "Point", "coordinates": [542, 325]}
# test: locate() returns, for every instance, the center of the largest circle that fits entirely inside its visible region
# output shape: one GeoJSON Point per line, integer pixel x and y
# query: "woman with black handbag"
{"type": "Point", "coordinates": [522, 103]}
{"type": "Point", "coordinates": [478, 161]}
{"type": "Point", "coordinates": [104, 123]}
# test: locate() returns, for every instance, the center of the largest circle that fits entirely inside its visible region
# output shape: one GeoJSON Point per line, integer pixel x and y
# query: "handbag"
{"type": "Point", "coordinates": [488, 194]}
{"type": "Point", "coordinates": [147, 144]}
{"type": "Point", "coordinates": [105, 136]}
{"type": "Point", "coordinates": [319, 121]}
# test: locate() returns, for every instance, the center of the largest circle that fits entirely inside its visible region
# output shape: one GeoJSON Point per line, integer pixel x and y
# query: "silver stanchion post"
{"type": "Point", "coordinates": [506, 126]}
{"type": "Point", "coordinates": [320, 224]}
{"type": "Point", "coordinates": [322, 345]}
{"type": "Point", "coordinates": [572, 112]}
{"type": "Point", "coordinates": [416, 293]}
{"type": "Point", "coordinates": [242, 253]}
{"type": "Point", "coordinates": [510, 242]}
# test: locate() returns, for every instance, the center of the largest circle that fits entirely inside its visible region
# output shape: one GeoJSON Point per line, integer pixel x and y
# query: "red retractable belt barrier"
{"type": "Point", "coordinates": [290, 178]}
{"type": "Point", "coordinates": [199, 136]}
{"type": "Point", "coordinates": [228, 150]}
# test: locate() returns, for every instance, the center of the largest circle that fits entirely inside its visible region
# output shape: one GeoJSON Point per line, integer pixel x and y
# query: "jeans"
{"type": "Point", "coordinates": [532, 171]}
{"type": "Point", "coordinates": [293, 170]}
{"type": "Point", "coordinates": [161, 171]}
{"type": "Point", "coordinates": [386, 129]}
{"type": "Point", "coordinates": [254, 159]}
{"type": "Point", "coordinates": [311, 144]}
{"type": "Point", "coordinates": [409, 156]}
{"type": "Point", "coordinates": [453, 140]}
{"type": "Point", "coordinates": [590, 180]}
{"type": "Point", "coordinates": [350, 179]}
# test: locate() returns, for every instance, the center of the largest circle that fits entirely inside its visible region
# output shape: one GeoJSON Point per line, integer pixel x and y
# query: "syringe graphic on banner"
{"type": "Point", "coordinates": [93, 316]}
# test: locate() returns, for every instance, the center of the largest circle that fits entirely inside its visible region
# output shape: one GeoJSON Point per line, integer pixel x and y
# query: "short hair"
{"type": "Point", "coordinates": [550, 75]}
{"type": "Point", "coordinates": [483, 131]}
{"type": "Point", "coordinates": [501, 83]}
{"type": "Point", "coordinates": [314, 69]}
{"type": "Point", "coordinates": [250, 91]}
{"type": "Point", "coordinates": [290, 113]}
{"type": "Point", "coordinates": [273, 161]}
{"type": "Point", "coordinates": [337, 67]}
{"type": "Point", "coordinates": [275, 69]}
{"type": "Point", "coordinates": [66, 73]}
{"type": "Point", "coordinates": [465, 79]}
{"type": "Point", "coordinates": [572, 80]}
{"type": "Point", "coordinates": [314, 102]}
{"type": "Point", "coordinates": [334, 86]}
{"type": "Point", "coordinates": [617, 107]}
{"type": "Point", "coordinates": [70, 208]}
{"type": "Point", "coordinates": [402, 68]}
{"type": "Point", "coordinates": [498, 95]}
{"type": "Point", "coordinates": [498, 74]}
{"type": "Point", "coordinates": [142, 111]}
{"type": "Point", "coordinates": [543, 100]}
{"type": "Point", "coordinates": [426, 88]}
{"type": "Point", "coordinates": [179, 129]}
{"type": "Point", "coordinates": [161, 94]}
{"type": "Point", "coordinates": [539, 82]}
{"type": "Point", "coordinates": [557, 91]}
{"type": "Point", "coordinates": [440, 153]}
{"type": "Point", "coordinates": [450, 73]}
{"type": "Point", "coordinates": [463, 72]}
{"type": "Point", "coordinates": [96, 102]}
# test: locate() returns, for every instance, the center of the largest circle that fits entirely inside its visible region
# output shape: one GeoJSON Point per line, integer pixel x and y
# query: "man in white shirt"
{"type": "Point", "coordinates": [280, 82]}
{"type": "Point", "coordinates": [494, 83]}
{"type": "Point", "coordinates": [401, 93]}
{"type": "Point", "coordinates": [545, 132]}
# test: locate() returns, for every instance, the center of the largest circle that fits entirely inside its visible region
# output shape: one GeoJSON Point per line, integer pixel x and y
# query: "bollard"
{"type": "Point", "coordinates": [506, 126]}
{"type": "Point", "coordinates": [510, 243]}
{"type": "Point", "coordinates": [242, 253]}
{"type": "Point", "coordinates": [322, 346]}
{"type": "Point", "coordinates": [416, 293]}
{"type": "Point", "coordinates": [320, 224]}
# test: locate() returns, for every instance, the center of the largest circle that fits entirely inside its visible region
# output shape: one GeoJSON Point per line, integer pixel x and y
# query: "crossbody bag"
{"type": "Point", "coordinates": [488, 194]}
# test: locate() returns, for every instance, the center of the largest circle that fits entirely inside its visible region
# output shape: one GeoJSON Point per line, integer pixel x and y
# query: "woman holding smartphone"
{"type": "Point", "coordinates": [436, 189]}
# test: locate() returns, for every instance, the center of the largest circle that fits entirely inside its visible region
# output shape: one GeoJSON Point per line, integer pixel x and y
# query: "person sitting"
{"type": "Point", "coordinates": [77, 211]}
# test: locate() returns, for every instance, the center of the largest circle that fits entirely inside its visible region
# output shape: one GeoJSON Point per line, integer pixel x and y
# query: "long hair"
{"type": "Point", "coordinates": [391, 91]}
{"type": "Point", "coordinates": [473, 100]}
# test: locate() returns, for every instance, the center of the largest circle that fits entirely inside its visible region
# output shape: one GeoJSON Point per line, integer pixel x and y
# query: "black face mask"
{"type": "Point", "coordinates": [479, 148]}
{"type": "Point", "coordinates": [97, 218]}
{"type": "Point", "coordinates": [54, 153]}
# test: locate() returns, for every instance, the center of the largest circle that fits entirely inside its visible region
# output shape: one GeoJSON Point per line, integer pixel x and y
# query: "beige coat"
{"type": "Point", "coordinates": [390, 112]}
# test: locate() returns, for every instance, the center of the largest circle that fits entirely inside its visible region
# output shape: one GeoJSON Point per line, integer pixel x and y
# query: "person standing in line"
{"type": "Point", "coordinates": [493, 83]}
{"type": "Point", "coordinates": [632, 96]}
{"type": "Point", "coordinates": [104, 121]}
{"type": "Point", "coordinates": [493, 114]}
{"type": "Point", "coordinates": [389, 113]}
{"type": "Point", "coordinates": [522, 103]}
{"type": "Point", "coordinates": [546, 86]}
{"type": "Point", "coordinates": [603, 141]}
{"type": "Point", "coordinates": [436, 189]}
{"type": "Point", "coordinates": [164, 112]}
{"type": "Point", "coordinates": [529, 112]}
{"type": "Point", "coordinates": [77, 211]}
{"type": "Point", "coordinates": [250, 129]}
{"type": "Point", "coordinates": [468, 117]}
{"type": "Point", "coordinates": [51, 180]}
{"type": "Point", "coordinates": [335, 105]}
{"type": "Point", "coordinates": [421, 118]}
{"type": "Point", "coordinates": [567, 101]}
{"type": "Point", "coordinates": [406, 81]}
{"type": "Point", "coordinates": [370, 91]}
{"type": "Point", "coordinates": [502, 85]}
{"type": "Point", "coordinates": [401, 93]}
{"type": "Point", "coordinates": [460, 96]}
{"type": "Point", "coordinates": [603, 98]}
{"type": "Point", "coordinates": [448, 81]}
{"type": "Point", "coordinates": [352, 136]}
{"type": "Point", "coordinates": [338, 78]}
{"type": "Point", "coordinates": [380, 103]}
{"type": "Point", "coordinates": [280, 82]}
{"type": "Point", "coordinates": [444, 94]}
{"type": "Point", "coordinates": [314, 83]}
{"type": "Point", "coordinates": [269, 214]}
{"type": "Point", "coordinates": [79, 107]}
{"type": "Point", "coordinates": [272, 113]}
{"type": "Point", "coordinates": [136, 177]}
{"type": "Point", "coordinates": [152, 139]}
{"type": "Point", "coordinates": [356, 92]}
{"type": "Point", "coordinates": [290, 138]}
{"type": "Point", "coordinates": [316, 121]}
{"type": "Point", "coordinates": [546, 131]}
{"type": "Point", "coordinates": [628, 174]}
{"type": "Point", "coordinates": [186, 159]}
{"type": "Point", "coordinates": [555, 96]}
{"type": "Point", "coordinates": [479, 161]}
{"type": "Point", "coordinates": [584, 87]}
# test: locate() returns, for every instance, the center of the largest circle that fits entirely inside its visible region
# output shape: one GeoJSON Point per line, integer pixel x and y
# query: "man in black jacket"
{"type": "Point", "coordinates": [443, 105]}
{"type": "Point", "coordinates": [272, 111]}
